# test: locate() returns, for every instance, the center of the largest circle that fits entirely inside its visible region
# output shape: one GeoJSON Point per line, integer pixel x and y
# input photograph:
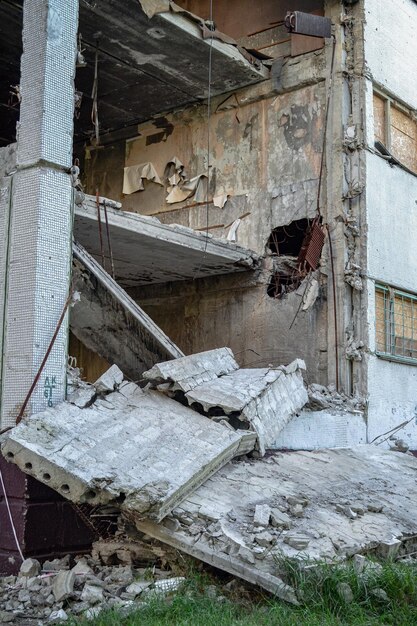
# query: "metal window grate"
{"type": "Point", "coordinates": [396, 323]}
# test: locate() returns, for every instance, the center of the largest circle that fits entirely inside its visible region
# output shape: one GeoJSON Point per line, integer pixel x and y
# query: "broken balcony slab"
{"type": "Point", "coordinates": [111, 324]}
{"type": "Point", "coordinates": [263, 400]}
{"type": "Point", "coordinates": [137, 449]}
{"type": "Point", "coordinates": [188, 372]}
{"type": "Point", "coordinates": [146, 251]}
{"type": "Point", "coordinates": [153, 65]}
{"type": "Point", "coordinates": [324, 505]}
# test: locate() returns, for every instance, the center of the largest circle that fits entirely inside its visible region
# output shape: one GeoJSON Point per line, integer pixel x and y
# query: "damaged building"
{"type": "Point", "coordinates": [209, 210]}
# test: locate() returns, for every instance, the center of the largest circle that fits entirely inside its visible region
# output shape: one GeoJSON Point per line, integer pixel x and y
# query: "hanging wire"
{"type": "Point", "coordinates": [9, 512]}
{"type": "Point", "coordinates": [94, 96]}
{"type": "Point", "coordinates": [209, 77]}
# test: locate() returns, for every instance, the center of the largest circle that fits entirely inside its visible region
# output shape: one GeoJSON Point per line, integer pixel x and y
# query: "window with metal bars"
{"type": "Point", "coordinates": [396, 324]}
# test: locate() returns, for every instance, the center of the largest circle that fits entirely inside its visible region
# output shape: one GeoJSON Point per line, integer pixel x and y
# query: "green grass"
{"type": "Point", "coordinates": [321, 604]}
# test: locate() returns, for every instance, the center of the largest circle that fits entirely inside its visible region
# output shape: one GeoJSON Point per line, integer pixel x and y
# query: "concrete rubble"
{"type": "Point", "coordinates": [180, 460]}
{"type": "Point", "coordinates": [83, 589]}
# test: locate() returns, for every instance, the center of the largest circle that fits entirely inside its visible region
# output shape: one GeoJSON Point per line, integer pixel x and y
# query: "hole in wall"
{"type": "Point", "coordinates": [65, 488]}
{"type": "Point", "coordinates": [28, 466]}
{"type": "Point", "coordinates": [46, 476]}
{"type": "Point", "coordinates": [10, 455]}
{"type": "Point", "coordinates": [89, 495]}
{"type": "Point", "coordinates": [280, 284]}
{"type": "Point", "coordinates": [287, 240]}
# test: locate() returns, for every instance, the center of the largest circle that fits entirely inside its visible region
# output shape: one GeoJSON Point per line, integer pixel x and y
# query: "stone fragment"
{"type": "Point", "coordinates": [359, 562]}
{"type": "Point", "coordinates": [297, 500]}
{"type": "Point", "coordinates": [58, 616]}
{"type": "Point", "coordinates": [358, 508]}
{"type": "Point", "coordinates": [298, 542]}
{"type": "Point", "coordinates": [280, 519]}
{"type": "Point", "coordinates": [56, 565]}
{"type": "Point", "coordinates": [380, 595]}
{"type": "Point", "coordinates": [110, 380]}
{"type": "Point", "coordinates": [345, 592]}
{"type": "Point", "coordinates": [137, 587]}
{"type": "Point", "coordinates": [246, 555]}
{"type": "Point", "coordinates": [82, 568]}
{"type": "Point", "coordinates": [30, 568]}
{"type": "Point", "coordinates": [262, 515]}
{"type": "Point", "coordinates": [6, 617]}
{"type": "Point", "coordinates": [375, 507]}
{"type": "Point", "coordinates": [346, 510]}
{"type": "Point", "coordinates": [92, 594]}
{"type": "Point", "coordinates": [23, 595]}
{"type": "Point", "coordinates": [389, 549]}
{"type": "Point", "coordinates": [63, 585]}
{"type": "Point", "coordinates": [82, 397]}
{"type": "Point", "coordinates": [93, 612]}
{"type": "Point", "coordinates": [297, 510]}
{"type": "Point", "coordinates": [264, 539]}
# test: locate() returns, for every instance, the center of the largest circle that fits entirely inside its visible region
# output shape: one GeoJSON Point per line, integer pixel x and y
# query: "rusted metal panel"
{"type": "Point", "coordinates": [312, 247]}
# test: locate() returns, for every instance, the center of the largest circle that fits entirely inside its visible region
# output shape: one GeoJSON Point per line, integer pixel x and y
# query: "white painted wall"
{"type": "Point", "coordinates": [391, 46]}
{"type": "Point", "coordinates": [392, 259]}
{"type": "Point", "coordinates": [312, 430]}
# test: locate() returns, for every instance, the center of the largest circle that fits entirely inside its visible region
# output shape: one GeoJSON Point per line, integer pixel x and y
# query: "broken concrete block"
{"type": "Point", "coordinates": [82, 396]}
{"type": "Point", "coordinates": [140, 450]}
{"type": "Point", "coordinates": [262, 515]}
{"type": "Point", "coordinates": [58, 616]}
{"type": "Point", "coordinates": [110, 380]}
{"type": "Point", "coordinates": [167, 586]}
{"type": "Point", "coordinates": [30, 568]}
{"type": "Point", "coordinates": [266, 399]}
{"type": "Point", "coordinates": [63, 585]}
{"type": "Point", "coordinates": [188, 372]}
{"type": "Point", "coordinates": [82, 568]}
{"type": "Point", "coordinates": [359, 562]}
{"type": "Point", "coordinates": [389, 549]}
{"type": "Point", "coordinates": [280, 519]}
{"type": "Point", "coordinates": [56, 564]}
{"type": "Point", "coordinates": [92, 594]}
{"type": "Point", "coordinates": [264, 539]}
{"type": "Point", "coordinates": [380, 595]}
{"type": "Point", "coordinates": [136, 588]}
{"type": "Point", "coordinates": [298, 542]}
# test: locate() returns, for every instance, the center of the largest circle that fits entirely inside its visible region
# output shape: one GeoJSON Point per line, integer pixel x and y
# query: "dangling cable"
{"type": "Point", "coordinates": [326, 120]}
{"type": "Point", "coordinates": [210, 63]}
{"type": "Point", "coordinates": [94, 96]}
{"type": "Point", "coordinates": [9, 513]}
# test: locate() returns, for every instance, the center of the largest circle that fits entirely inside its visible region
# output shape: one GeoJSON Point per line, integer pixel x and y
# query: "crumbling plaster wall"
{"type": "Point", "coordinates": [391, 211]}
{"type": "Point", "coordinates": [265, 152]}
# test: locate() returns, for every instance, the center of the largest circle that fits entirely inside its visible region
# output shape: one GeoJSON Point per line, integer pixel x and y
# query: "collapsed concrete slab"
{"type": "Point", "coordinates": [325, 505]}
{"type": "Point", "coordinates": [262, 400]}
{"type": "Point", "coordinates": [111, 324]}
{"type": "Point", "coordinates": [189, 372]}
{"type": "Point", "coordinates": [138, 449]}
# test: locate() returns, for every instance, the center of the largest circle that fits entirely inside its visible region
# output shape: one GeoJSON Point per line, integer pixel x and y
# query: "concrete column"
{"type": "Point", "coordinates": [39, 246]}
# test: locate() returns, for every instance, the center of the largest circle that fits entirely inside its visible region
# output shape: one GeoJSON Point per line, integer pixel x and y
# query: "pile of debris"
{"type": "Point", "coordinates": [183, 461]}
{"type": "Point", "coordinates": [53, 592]}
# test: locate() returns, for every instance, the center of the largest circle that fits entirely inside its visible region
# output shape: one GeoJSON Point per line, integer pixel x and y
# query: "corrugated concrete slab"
{"type": "Point", "coordinates": [327, 504]}
{"type": "Point", "coordinates": [135, 448]}
{"type": "Point", "coordinates": [109, 322]}
{"type": "Point", "coordinates": [263, 400]}
{"type": "Point", "coordinates": [146, 251]}
{"type": "Point", "coordinates": [188, 372]}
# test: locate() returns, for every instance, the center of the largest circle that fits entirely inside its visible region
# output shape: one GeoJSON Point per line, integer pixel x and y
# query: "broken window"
{"type": "Point", "coordinates": [396, 323]}
{"type": "Point", "coordinates": [396, 129]}
{"type": "Point", "coordinates": [298, 248]}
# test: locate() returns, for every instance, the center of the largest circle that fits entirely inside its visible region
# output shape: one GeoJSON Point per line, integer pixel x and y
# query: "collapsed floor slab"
{"type": "Point", "coordinates": [325, 505]}
{"type": "Point", "coordinates": [111, 324]}
{"type": "Point", "coordinates": [138, 449]}
{"type": "Point", "coordinates": [263, 400]}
